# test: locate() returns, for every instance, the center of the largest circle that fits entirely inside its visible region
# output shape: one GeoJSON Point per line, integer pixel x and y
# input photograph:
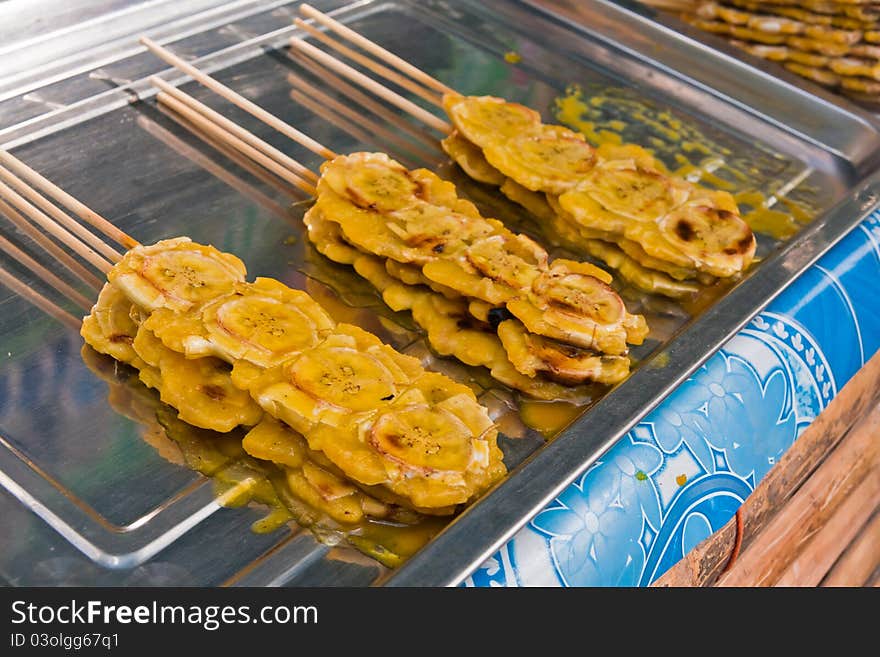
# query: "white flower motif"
{"type": "Point", "coordinates": [491, 566]}
{"type": "Point", "coordinates": [810, 356]}
{"type": "Point", "coordinates": [779, 329]}
{"type": "Point", "coordinates": [797, 342]}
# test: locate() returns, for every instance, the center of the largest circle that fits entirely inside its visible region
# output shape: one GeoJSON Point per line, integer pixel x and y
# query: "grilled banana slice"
{"type": "Point", "coordinates": [433, 444]}
{"type": "Point", "coordinates": [350, 373]}
{"type": "Point", "coordinates": [372, 183]}
{"type": "Point", "coordinates": [314, 478]}
{"type": "Point", "coordinates": [484, 120]}
{"type": "Point", "coordinates": [553, 159]}
{"type": "Point", "coordinates": [261, 322]}
{"type": "Point", "coordinates": [176, 274]}
{"type": "Point", "coordinates": [200, 389]}
{"type": "Point", "coordinates": [573, 302]}
{"type": "Point", "coordinates": [109, 328]}
{"type": "Point", "coordinates": [470, 158]}
{"type": "Point", "coordinates": [713, 236]}
{"type": "Point", "coordinates": [637, 275]}
{"type": "Point", "coordinates": [533, 355]}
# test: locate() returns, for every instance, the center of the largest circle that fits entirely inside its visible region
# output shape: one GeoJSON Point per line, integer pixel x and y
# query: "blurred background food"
{"type": "Point", "coordinates": [833, 43]}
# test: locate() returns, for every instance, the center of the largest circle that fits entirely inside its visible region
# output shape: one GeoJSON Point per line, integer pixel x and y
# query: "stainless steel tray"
{"type": "Point", "coordinates": [87, 501]}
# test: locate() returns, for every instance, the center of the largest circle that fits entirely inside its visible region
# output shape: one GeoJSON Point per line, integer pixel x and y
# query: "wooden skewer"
{"type": "Point", "coordinates": [53, 249]}
{"type": "Point", "coordinates": [219, 133]}
{"type": "Point", "coordinates": [65, 237]}
{"type": "Point", "coordinates": [365, 136]}
{"type": "Point", "coordinates": [375, 49]}
{"type": "Point", "coordinates": [238, 99]}
{"type": "Point", "coordinates": [62, 218]}
{"type": "Point", "coordinates": [355, 117]}
{"type": "Point", "coordinates": [68, 201]}
{"type": "Point", "coordinates": [368, 83]}
{"type": "Point", "coordinates": [24, 259]}
{"type": "Point", "coordinates": [212, 167]}
{"type": "Point", "coordinates": [230, 126]}
{"type": "Point", "coordinates": [38, 300]}
{"type": "Point", "coordinates": [368, 63]}
{"type": "Point", "coordinates": [346, 89]}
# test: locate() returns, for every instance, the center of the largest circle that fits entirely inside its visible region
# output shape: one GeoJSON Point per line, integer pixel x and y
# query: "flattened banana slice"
{"type": "Point", "coordinates": [553, 160]}
{"type": "Point", "coordinates": [535, 202]}
{"type": "Point", "coordinates": [411, 275]}
{"type": "Point", "coordinates": [313, 477]}
{"type": "Point", "coordinates": [533, 355]}
{"type": "Point", "coordinates": [109, 328]}
{"type": "Point", "coordinates": [494, 269]}
{"type": "Point", "coordinates": [371, 181]}
{"type": "Point", "coordinates": [328, 238]}
{"type": "Point", "coordinates": [177, 274]}
{"type": "Point", "coordinates": [271, 440]}
{"type": "Point", "coordinates": [470, 158]}
{"type": "Point", "coordinates": [631, 190]}
{"type": "Point", "coordinates": [261, 322]}
{"type": "Point", "coordinates": [435, 453]}
{"type": "Point", "coordinates": [351, 373]}
{"type": "Point", "coordinates": [573, 303]}
{"type": "Point", "coordinates": [200, 389]}
{"type": "Point", "coordinates": [486, 119]}
{"type": "Point", "coordinates": [718, 240]}
{"type": "Point", "coordinates": [267, 322]}
{"type": "Point", "coordinates": [637, 275]}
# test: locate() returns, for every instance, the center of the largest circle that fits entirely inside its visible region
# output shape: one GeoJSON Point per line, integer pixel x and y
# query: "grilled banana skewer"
{"type": "Point", "coordinates": [428, 251]}
{"type": "Point", "coordinates": [199, 330]}
{"type": "Point", "coordinates": [661, 233]}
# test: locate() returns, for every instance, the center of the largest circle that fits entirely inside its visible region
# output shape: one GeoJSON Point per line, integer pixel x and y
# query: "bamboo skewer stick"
{"type": "Point", "coordinates": [65, 237]}
{"type": "Point", "coordinates": [38, 269]}
{"type": "Point", "coordinates": [62, 218]}
{"type": "Point", "coordinates": [215, 169]}
{"type": "Point", "coordinates": [49, 246]}
{"type": "Point", "coordinates": [374, 49]}
{"type": "Point", "coordinates": [38, 300]}
{"type": "Point", "coordinates": [368, 63]}
{"type": "Point", "coordinates": [328, 102]}
{"type": "Point", "coordinates": [237, 99]}
{"type": "Point", "coordinates": [232, 127]}
{"type": "Point", "coordinates": [377, 108]}
{"type": "Point", "coordinates": [363, 135]}
{"type": "Point", "coordinates": [219, 133]}
{"type": "Point", "coordinates": [368, 83]}
{"type": "Point", "coordinates": [68, 201]}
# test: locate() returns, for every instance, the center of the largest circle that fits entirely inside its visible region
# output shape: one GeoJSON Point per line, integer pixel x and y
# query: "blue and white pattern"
{"type": "Point", "coordinates": [683, 471]}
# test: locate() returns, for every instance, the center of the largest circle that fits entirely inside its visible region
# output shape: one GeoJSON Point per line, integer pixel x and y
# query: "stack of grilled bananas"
{"type": "Point", "coordinates": [661, 233]}
{"type": "Point", "coordinates": [360, 428]}
{"type": "Point", "coordinates": [482, 293]}
{"type": "Point", "coordinates": [836, 44]}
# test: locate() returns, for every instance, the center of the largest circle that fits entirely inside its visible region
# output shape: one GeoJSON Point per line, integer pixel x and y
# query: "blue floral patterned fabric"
{"type": "Point", "coordinates": [684, 469]}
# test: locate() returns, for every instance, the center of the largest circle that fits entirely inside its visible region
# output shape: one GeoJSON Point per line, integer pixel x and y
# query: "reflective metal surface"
{"type": "Point", "coordinates": [88, 500]}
